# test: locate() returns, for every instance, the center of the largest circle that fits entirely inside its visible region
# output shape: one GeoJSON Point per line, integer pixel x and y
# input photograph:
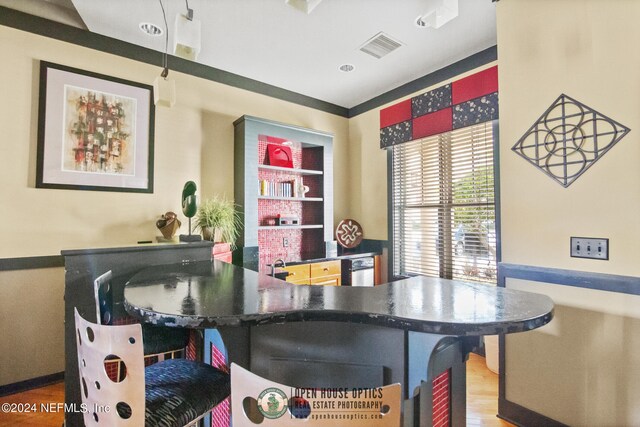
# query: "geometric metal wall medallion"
{"type": "Point", "coordinates": [568, 139]}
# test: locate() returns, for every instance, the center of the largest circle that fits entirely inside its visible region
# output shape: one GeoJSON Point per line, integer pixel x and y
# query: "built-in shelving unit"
{"type": "Point", "coordinates": [261, 240]}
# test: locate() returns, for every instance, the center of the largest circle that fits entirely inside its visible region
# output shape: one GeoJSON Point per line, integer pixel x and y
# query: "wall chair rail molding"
{"type": "Point", "coordinates": [567, 139]}
{"type": "Point", "coordinates": [465, 102]}
{"type": "Point", "coordinates": [31, 263]}
{"type": "Point", "coordinates": [580, 279]}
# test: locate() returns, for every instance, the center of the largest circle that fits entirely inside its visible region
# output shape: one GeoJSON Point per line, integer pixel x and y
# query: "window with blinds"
{"type": "Point", "coordinates": [444, 206]}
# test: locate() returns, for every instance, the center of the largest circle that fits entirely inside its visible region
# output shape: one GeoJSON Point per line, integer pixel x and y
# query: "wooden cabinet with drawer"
{"type": "Point", "coordinates": [318, 273]}
{"type": "Point", "coordinates": [298, 274]}
{"type": "Point", "coordinates": [326, 273]}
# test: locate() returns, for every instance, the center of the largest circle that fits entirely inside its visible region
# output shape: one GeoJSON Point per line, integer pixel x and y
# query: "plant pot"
{"type": "Point", "coordinates": [212, 234]}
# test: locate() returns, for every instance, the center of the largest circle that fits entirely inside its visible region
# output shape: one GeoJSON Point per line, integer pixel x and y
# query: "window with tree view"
{"type": "Point", "coordinates": [444, 206]}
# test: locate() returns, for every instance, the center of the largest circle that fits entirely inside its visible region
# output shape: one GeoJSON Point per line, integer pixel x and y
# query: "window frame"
{"type": "Point", "coordinates": [496, 189]}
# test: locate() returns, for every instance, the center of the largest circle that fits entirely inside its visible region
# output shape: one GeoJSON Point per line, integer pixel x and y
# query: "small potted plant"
{"type": "Point", "coordinates": [218, 220]}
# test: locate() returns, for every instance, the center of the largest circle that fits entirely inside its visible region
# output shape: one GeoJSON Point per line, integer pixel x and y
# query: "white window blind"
{"type": "Point", "coordinates": [444, 206]}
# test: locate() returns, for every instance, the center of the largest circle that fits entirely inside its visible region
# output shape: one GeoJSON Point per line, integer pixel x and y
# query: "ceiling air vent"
{"type": "Point", "coordinates": [380, 45]}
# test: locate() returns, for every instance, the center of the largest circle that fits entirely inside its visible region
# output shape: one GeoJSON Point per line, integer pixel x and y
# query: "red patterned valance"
{"type": "Point", "coordinates": [465, 102]}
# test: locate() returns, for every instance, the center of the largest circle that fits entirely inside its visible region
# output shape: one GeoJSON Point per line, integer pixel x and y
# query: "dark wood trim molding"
{"type": "Point", "coordinates": [55, 30]}
{"type": "Point", "coordinates": [467, 64]}
{"type": "Point", "coordinates": [31, 263]}
{"type": "Point", "coordinates": [44, 27]}
{"type": "Point", "coordinates": [38, 382]}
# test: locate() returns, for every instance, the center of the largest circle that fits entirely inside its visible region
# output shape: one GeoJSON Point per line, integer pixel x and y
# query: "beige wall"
{"type": "Point", "coordinates": [583, 368]}
{"type": "Point", "coordinates": [32, 324]}
{"type": "Point", "coordinates": [193, 141]}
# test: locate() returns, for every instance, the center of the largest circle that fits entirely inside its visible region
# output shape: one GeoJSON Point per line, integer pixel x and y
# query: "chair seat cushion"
{"type": "Point", "coordinates": [178, 391]}
{"type": "Point", "coordinates": [158, 339]}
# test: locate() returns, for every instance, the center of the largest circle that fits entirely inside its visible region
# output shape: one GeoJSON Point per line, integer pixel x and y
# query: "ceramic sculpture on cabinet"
{"type": "Point", "coordinates": [189, 209]}
{"type": "Point", "coordinates": [168, 225]}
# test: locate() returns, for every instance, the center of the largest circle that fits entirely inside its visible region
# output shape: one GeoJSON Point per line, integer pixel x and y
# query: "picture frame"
{"type": "Point", "coordinates": [95, 132]}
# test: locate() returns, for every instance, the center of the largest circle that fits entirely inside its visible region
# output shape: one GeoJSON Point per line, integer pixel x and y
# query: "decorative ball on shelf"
{"type": "Point", "coordinates": [349, 233]}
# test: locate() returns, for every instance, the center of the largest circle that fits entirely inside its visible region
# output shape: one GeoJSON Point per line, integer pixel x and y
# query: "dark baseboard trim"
{"type": "Point", "coordinates": [580, 279]}
{"type": "Point", "coordinates": [467, 64]}
{"type": "Point", "coordinates": [521, 416]}
{"type": "Point", "coordinates": [38, 382]}
{"type": "Point", "coordinates": [31, 263]}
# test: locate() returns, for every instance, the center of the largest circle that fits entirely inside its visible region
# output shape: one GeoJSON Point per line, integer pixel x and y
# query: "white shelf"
{"type": "Point", "coordinates": [299, 199]}
{"type": "Point", "coordinates": [289, 227]}
{"type": "Point", "coordinates": [290, 170]}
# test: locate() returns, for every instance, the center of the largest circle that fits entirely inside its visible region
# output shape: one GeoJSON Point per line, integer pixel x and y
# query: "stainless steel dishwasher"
{"type": "Point", "coordinates": [357, 271]}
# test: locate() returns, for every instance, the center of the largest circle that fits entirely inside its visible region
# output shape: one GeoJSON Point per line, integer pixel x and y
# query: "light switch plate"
{"type": "Point", "coordinates": [590, 247]}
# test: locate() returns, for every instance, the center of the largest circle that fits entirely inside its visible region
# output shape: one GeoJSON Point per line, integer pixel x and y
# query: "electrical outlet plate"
{"type": "Point", "coordinates": [285, 242]}
{"type": "Point", "coordinates": [590, 247]}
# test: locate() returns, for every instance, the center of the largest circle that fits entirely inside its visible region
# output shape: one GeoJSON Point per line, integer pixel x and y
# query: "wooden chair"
{"type": "Point", "coordinates": [285, 406]}
{"type": "Point", "coordinates": [170, 393]}
{"type": "Point", "coordinates": [160, 343]}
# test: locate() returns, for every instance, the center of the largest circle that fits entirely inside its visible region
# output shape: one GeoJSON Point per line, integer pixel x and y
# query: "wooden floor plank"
{"type": "Point", "coordinates": [482, 395]}
{"type": "Point", "coordinates": [482, 401]}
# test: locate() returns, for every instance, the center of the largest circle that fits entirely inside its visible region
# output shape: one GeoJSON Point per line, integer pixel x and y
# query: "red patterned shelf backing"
{"type": "Point", "coordinates": [301, 243]}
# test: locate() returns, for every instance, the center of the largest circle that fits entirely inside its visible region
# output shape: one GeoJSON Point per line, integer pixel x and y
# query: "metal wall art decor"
{"type": "Point", "coordinates": [568, 139]}
{"type": "Point", "coordinates": [95, 132]}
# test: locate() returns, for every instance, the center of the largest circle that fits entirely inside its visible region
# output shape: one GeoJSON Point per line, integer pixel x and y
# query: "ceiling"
{"type": "Point", "coordinates": [272, 42]}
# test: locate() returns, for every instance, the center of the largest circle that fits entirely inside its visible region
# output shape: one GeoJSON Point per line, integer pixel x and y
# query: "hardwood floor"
{"type": "Point", "coordinates": [482, 401]}
{"type": "Point", "coordinates": [482, 395]}
{"type": "Point", "coordinates": [36, 417]}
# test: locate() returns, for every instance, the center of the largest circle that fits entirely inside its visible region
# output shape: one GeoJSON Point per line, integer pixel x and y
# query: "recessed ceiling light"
{"type": "Point", "coordinates": [346, 68]}
{"type": "Point", "coordinates": [150, 29]}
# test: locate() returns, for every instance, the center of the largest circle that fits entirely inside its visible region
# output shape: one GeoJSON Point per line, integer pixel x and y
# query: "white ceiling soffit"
{"type": "Point", "coordinates": [272, 42]}
{"type": "Point", "coordinates": [61, 11]}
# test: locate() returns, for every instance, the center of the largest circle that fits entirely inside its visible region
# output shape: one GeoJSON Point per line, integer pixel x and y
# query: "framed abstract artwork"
{"type": "Point", "coordinates": [95, 132]}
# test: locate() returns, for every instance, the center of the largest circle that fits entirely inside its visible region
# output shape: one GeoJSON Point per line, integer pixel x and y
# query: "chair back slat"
{"type": "Point", "coordinates": [103, 292]}
{"type": "Point", "coordinates": [106, 402]}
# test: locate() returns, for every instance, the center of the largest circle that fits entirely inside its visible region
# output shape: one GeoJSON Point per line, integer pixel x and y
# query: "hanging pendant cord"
{"type": "Point", "coordinates": [165, 57]}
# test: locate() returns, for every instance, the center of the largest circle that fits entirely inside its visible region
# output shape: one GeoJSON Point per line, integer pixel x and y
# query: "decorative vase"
{"type": "Point", "coordinates": [169, 230]}
{"type": "Point", "coordinates": [168, 224]}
